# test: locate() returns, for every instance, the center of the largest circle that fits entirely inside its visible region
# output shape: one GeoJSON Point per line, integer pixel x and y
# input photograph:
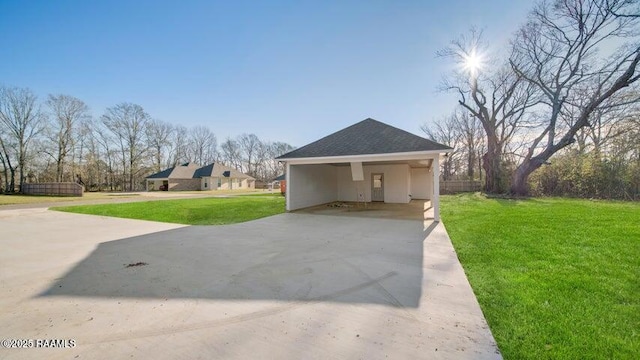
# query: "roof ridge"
{"type": "Point", "coordinates": [368, 136]}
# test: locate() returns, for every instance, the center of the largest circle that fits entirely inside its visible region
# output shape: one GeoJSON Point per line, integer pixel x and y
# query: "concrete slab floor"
{"type": "Point", "coordinates": [288, 286]}
{"type": "Point", "coordinates": [414, 210]}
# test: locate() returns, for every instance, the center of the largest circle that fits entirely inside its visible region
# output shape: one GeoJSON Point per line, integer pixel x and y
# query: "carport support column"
{"type": "Point", "coordinates": [287, 193]}
{"type": "Point", "coordinates": [436, 188]}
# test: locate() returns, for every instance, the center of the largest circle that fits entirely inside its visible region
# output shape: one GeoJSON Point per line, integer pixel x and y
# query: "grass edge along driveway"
{"type": "Point", "coordinates": [202, 211]}
{"type": "Point", "coordinates": [556, 278]}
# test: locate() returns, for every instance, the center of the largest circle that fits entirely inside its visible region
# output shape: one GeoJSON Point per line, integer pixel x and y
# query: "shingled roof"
{"type": "Point", "coordinates": [219, 170]}
{"type": "Point", "coordinates": [162, 174]}
{"type": "Point", "coordinates": [369, 136]}
{"type": "Point", "coordinates": [192, 171]}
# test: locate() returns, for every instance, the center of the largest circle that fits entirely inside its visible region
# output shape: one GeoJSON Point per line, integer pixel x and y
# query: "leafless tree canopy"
{"type": "Point", "coordinates": [127, 123]}
{"type": "Point", "coordinates": [159, 139]}
{"type": "Point", "coordinates": [115, 151]}
{"type": "Point", "coordinates": [65, 114]}
{"type": "Point", "coordinates": [581, 57]}
{"type": "Point", "coordinates": [571, 79]}
{"type": "Point", "coordinates": [202, 148]}
{"type": "Point", "coordinates": [21, 121]}
{"type": "Point", "coordinates": [496, 96]}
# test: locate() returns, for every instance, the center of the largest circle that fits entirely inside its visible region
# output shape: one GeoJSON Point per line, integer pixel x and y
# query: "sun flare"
{"type": "Point", "coordinates": [473, 62]}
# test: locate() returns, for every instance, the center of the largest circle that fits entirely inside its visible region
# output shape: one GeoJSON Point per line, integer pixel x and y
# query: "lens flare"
{"type": "Point", "coordinates": [473, 62]}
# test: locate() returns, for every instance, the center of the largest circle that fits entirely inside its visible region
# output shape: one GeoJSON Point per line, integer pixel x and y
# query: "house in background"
{"type": "Point", "coordinates": [189, 176]}
{"type": "Point", "coordinates": [368, 161]}
{"type": "Point", "coordinates": [281, 181]}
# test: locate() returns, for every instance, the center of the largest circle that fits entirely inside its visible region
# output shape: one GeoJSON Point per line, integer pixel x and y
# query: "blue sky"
{"type": "Point", "coordinates": [290, 71]}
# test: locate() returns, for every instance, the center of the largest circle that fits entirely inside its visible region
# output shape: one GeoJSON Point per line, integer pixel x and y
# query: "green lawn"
{"type": "Point", "coordinates": [205, 211]}
{"type": "Point", "coordinates": [556, 278]}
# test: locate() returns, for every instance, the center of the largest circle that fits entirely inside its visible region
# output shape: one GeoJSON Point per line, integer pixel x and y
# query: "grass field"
{"type": "Point", "coordinates": [14, 199]}
{"type": "Point", "coordinates": [200, 211]}
{"type": "Point", "coordinates": [556, 278]}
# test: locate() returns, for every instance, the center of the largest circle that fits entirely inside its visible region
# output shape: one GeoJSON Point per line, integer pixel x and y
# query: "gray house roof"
{"type": "Point", "coordinates": [192, 171]}
{"type": "Point", "coordinates": [184, 171]}
{"type": "Point", "coordinates": [219, 170]}
{"type": "Point", "coordinates": [162, 174]}
{"type": "Point", "coordinates": [369, 136]}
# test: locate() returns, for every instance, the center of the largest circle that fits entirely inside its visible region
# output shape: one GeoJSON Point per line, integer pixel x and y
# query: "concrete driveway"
{"type": "Point", "coordinates": [289, 286]}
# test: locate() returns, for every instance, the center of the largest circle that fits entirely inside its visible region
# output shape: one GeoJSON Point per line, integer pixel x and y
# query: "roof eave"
{"type": "Point", "coordinates": [412, 155]}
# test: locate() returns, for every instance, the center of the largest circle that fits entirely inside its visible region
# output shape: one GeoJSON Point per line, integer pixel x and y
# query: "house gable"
{"type": "Point", "coordinates": [368, 137]}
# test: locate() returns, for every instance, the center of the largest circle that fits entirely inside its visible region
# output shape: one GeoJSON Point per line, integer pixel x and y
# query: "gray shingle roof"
{"type": "Point", "coordinates": [369, 136]}
{"type": "Point", "coordinates": [162, 174]}
{"type": "Point", "coordinates": [192, 171]}
{"type": "Point", "coordinates": [184, 171]}
{"type": "Point", "coordinates": [204, 171]}
{"type": "Point", "coordinates": [218, 170]}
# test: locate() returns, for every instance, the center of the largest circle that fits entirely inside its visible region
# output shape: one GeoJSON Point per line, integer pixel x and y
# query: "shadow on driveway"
{"type": "Point", "coordinates": [288, 257]}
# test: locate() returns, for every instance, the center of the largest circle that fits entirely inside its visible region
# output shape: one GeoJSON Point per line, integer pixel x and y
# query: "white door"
{"type": "Point", "coordinates": [377, 187]}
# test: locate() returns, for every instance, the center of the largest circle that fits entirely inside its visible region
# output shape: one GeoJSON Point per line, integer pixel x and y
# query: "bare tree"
{"type": "Point", "coordinates": [66, 112]}
{"type": "Point", "coordinates": [496, 96]}
{"type": "Point", "coordinates": [606, 123]}
{"type": "Point", "coordinates": [561, 51]}
{"type": "Point", "coordinates": [249, 145]}
{"type": "Point", "coordinates": [231, 154]}
{"type": "Point", "coordinates": [202, 145]}
{"type": "Point", "coordinates": [94, 169]}
{"type": "Point", "coordinates": [7, 152]}
{"type": "Point", "coordinates": [273, 168]}
{"type": "Point", "coordinates": [446, 132]}
{"type": "Point", "coordinates": [128, 122]}
{"type": "Point", "coordinates": [22, 121]}
{"type": "Point", "coordinates": [159, 138]}
{"type": "Point", "coordinates": [471, 138]}
{"type": "Point", "coordinates": [178, 147]}
{"type": "Point", "coordinates": [106, 143]}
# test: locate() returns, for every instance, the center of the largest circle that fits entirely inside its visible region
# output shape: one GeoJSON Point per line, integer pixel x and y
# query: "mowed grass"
{"type": "Point", "coordinates": [14, 199]}
{"type": "Point", "coordinates": [556, 278]}
{"type": "Point", "coordinates": [203, 211]}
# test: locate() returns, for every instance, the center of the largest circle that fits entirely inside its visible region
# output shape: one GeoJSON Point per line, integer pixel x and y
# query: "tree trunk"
{"type": "Point", "coordinates": [12, 180]}
{"type": "Point", "coordinates": [9, 171]}
{"type": "Point", "coordinates": [6, 177]}
{"type": "Point", "coordinates": [59, 166]}
{"type": "Point", "coordinates": [471, 161]}
{"type": "Point", "coordinates": [22, 162]}
{"type": "Point", "coordinates": [492, 164]}
{"type": "Point", "coordinates": [131, 178]}
{"type": "Point", "coordinates": [520, 179]}
{"type": "Point", "coordinates": [158, 159]}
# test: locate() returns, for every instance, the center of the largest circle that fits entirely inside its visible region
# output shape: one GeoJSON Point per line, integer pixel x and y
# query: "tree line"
{"type": "Point", "coordinates": [59, 140]}
{"type": "Point", "coordinates": [559, 114]}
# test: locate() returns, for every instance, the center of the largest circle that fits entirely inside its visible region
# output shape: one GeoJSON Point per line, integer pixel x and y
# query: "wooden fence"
{"type": "Point", "coordinates": [56, 189]}
{"type": "Point", "coordinates": [456, 186]}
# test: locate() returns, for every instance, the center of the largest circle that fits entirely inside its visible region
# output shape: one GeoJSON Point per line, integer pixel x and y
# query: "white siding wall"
{"type": "Point", "coordinates": [311, 185]}
{"type": "Point", "coordinates": [396, 183]}
{"type": "Point", "coordinates": [421, 184]}
{"type": "Point", "coordinates": [225, 183]}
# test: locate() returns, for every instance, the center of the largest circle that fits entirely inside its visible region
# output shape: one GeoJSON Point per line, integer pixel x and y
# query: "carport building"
{"type": "Point", "coordinates": [368, 161]}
